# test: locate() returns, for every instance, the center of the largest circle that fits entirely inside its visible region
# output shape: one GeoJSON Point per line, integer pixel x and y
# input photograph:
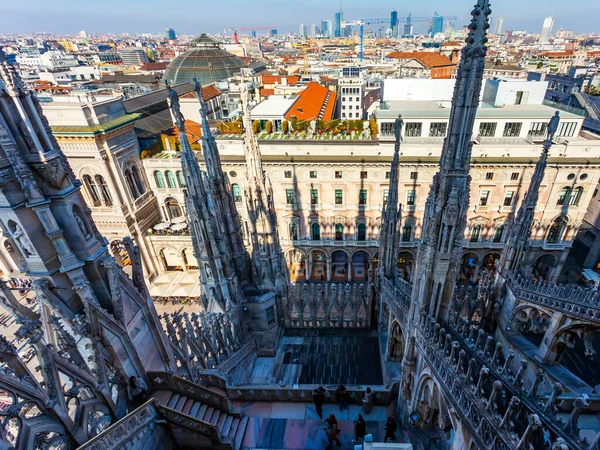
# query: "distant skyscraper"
{"type": "Point", "coordinates": [83, 34]}
{"type": "Point", "coordinates": [408, 27]}
{"type": "Point", "coordinates": [303, 30]}
{"type": "Point", "coordinates": [547, 29]}
{"type": "Point", "coordinates": [253, 33]}
{"type": "Point", "coordinates": [499, 25]}
{"type": "Point", "coordinates": [314, 30]}
{"type": "Point", "coordinates": [394, 23]}
{"type": "Point", "coordinates": [273, 32]}
{"type": "Point", "coordinates": [327, 28]}
{"type": "Point", "coordinates": [337, 24]}
{"type": "Point", "coordinates": [170, 34]}
{"type": "Point", "coordinates": [437, 24]}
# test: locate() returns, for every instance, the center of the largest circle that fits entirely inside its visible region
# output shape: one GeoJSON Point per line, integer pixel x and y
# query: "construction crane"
{"type": "Point", "coordinates": [361, 23]}
{"type": "Point", "coordinates": [235, 31]}
{"type": "Point", "coordinates": [235, 34]}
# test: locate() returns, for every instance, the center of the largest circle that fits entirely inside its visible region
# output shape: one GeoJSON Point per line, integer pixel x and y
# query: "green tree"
{"type": "Point", "coordinates": [285, 127]}
{"type": "Point", "coordinates": [256, 126]}
{"type": "Point", "coordinates": [374, 128]}
{"type": "Point", "coordinates": [269, 127]}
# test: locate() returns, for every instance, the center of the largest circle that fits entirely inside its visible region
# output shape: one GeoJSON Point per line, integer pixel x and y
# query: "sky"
{"type": "Point", "coordinates": [197, 16]}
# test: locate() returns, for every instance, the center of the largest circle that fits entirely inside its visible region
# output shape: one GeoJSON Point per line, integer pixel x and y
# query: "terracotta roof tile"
{"type": "Point", "coordinates": [154, 66]}
{"type": "Point", "coordinates": [266, 92]}
{"type": "Point", "coordinates": [315, 102]}
{"type": "Point", "coordinates": [193, 131]}
{"type": "Point", "coordinates": [428, 59]}
{"type": "Point", "coordinates": [272, 79]}
{"type": "Point", "coordinates": [208, 92]}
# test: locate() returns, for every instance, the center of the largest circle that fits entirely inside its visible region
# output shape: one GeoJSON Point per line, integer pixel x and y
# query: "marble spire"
{"type": "Point", "coordinates": [220, 290]}
{"type": "Point", "coordinates": [391, 215]}
{"type": "Point", "coordinates": [514, 254]}
{"type": "Point", "coordinates": [438, 261]}
{"type": "Point", "coordinates": [268, 264]}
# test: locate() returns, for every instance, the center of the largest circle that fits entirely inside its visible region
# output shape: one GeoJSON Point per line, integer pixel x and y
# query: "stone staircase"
{"type": "Point", "coordinates": [230, 427]}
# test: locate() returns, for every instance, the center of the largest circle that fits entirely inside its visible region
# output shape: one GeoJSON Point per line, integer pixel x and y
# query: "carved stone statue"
{"type": "Point", "coordinates": [398, 124]}
{"type": "Point", "coordinates": [553, 125]}
{"type": "Point", "coordinates": [82, 226]}
{"type": "Point", "coordinates": [209, 273]}
{"type": "Point", "coordinates": [366, 130]}
{"type": "Point", "coordinates": [26, 245]}
{"type": "Point", "coordinates": [313, 127]}
{"type": "Point", "coordinates": [173, 100]}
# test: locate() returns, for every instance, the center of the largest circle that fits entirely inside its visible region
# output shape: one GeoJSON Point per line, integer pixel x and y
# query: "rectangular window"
{"type": "Point", "coordinates": [489, 176]}
{"type": "Point", "coordinates": [413, 129]}
{"type": "Point", "coordinates": [363, 174]}
{"type": "Point", "coordinates": [514, 176]}
{"type": "Point", "coordinates": [537, 129]}
{"type": "Point", "coordinates": [270, 315]}
{"type": "Point", "coordinates": [387, 129]}
{"type": "Point", "coordinates": [567, 129]}
{"type": "Point", "coordinates": [314, 196]}
{"type": "Point", "coordinates": [508, 198]}
{"type": "Point", "coordinates": [385, 198]}
{"type": "Point", "coordinates": [338, 174]}
{"type": "Point", "coordinates": [483, 198]}
{"type": "Point", "coordinates": [388, 175]}
{"type": "Point", "coordinates": [288, 174]}
{"type": "Point", "coordinates": [410, 197]}
{"type": "Point", "coordinates": [498, 233]}
{"type": "Point", "coordinates": [437, 129]}
{"type": "Point", "coordinates": [512, 129]}
{"type": "Point", "coordinates": [343, 115]}
{"type": "Point", "coordinates": [362, 197]}
{"type": "Point", "coordinates": [290, 197]}
{"type": "Point", "coordinates": [413, 175]}
{"type": "Point", "coordinates": [487, 129]}
{"type": "Point", "coordinates": [313, 174]}
{"type": "Point", "coordinates": [339, 197]}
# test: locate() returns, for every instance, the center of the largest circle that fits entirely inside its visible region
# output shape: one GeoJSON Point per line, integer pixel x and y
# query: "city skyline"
{"type": "Point", "coordinates": [65, 17]}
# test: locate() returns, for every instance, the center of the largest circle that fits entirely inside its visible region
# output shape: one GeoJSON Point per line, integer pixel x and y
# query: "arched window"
{"type": "Point", "coordinates": [562, 196]}
{"type": "Point", "coordinates": [171, 181]}
{"type": "Point", "coordinates": [362, 232]}
{"type": "Point", "coordinates": [131, 184]}
{"type": "Point", "coordinates": [159, 179]}
{"type": "Point", "coordinates": [237, 192]}
{"type": "Point", "coordinates": [180, 179]}
{"type": "Point", "coordinates": [173, 208]}
{"type": "Point", "coordinates": [406, 233]}
{"type": "Point", "coordinates": [92, 190]}
{"type": "Point", "coordinates": [475, 233]}
{"type": "Point", "coordinates": [315, 229]}
{"type": "Point", "coordinates": [137, 178]}
{"type": "Point", "coordinates": [293, 231]}
{"type": "Point", "coordinates": [339, 232]}
{"type": "Point", "coordinates": [576, 196]}
{"type": "Point", "coordinates": [106, 198]}
{"type": "Point", "coordinates": [556, 230]}
{"type": "Point", "coordinates": [498, 232]}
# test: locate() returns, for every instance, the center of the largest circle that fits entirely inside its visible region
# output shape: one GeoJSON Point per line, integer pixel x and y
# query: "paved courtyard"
{"type": "Point", "coordinates": [296, 426]}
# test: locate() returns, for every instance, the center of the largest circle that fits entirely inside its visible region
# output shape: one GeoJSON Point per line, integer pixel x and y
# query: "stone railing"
{"type": "Point", "coordinates": [190, 423]}
{"type": "Point", "coordinates": [470, 351]}
{"type": "Point", "coordinates": [127, 432]}
{"type": "Point", "coordinates": [397, 297]}
{"type": "Point", "coordinates": [303, 393]}
{"type": "Point", "coordinates": [163, 381]}
{"type": "Point", "coordinates": [583, 303]}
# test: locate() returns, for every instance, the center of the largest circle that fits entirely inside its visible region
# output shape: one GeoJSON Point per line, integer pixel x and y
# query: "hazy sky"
{"type": "Point", "coordinates": [195, 16]}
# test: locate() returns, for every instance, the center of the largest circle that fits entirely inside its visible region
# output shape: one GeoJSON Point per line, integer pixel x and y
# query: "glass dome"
{"type": "Point", "coordinates": [206, 61]}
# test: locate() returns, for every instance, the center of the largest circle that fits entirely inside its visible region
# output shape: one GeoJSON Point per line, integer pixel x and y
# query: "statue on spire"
{"type": "Point", "coordinates": [173, 101]}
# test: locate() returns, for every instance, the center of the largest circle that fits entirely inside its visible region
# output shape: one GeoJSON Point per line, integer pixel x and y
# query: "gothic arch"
{"type": "Point", "coordinates": [171, 258]}
{"type": "Point", "coordinates": [396, 342]}
{"type": "Point", "coordinates": [544, 265]}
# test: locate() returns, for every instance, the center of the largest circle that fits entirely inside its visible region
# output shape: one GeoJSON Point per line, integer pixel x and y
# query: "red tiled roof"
{"type": "Point", "coordinates": [266, 92]}
{"type": "Point", "coordinates": [428, 59]}
{"type": "Point", "coordinates": [315, 102]}
{"type": "Point", "coordinates": [154, 66]}
{"type": "Point", "coordinates": [208, 92]}
{"type": "Point", "coordinates": [193, 131]}
{"type": "Point", "coordinates": [452, 44]}
{"type": "Point", "coordinates": [272, 79]}
{"type": "Point", "coordinates": [556, 54]}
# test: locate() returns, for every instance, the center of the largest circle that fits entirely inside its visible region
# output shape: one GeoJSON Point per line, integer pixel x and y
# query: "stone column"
{"type": "Point", "coordinates": [546, 353]}
{"type": "Point", "coordinates": [328, 269]}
